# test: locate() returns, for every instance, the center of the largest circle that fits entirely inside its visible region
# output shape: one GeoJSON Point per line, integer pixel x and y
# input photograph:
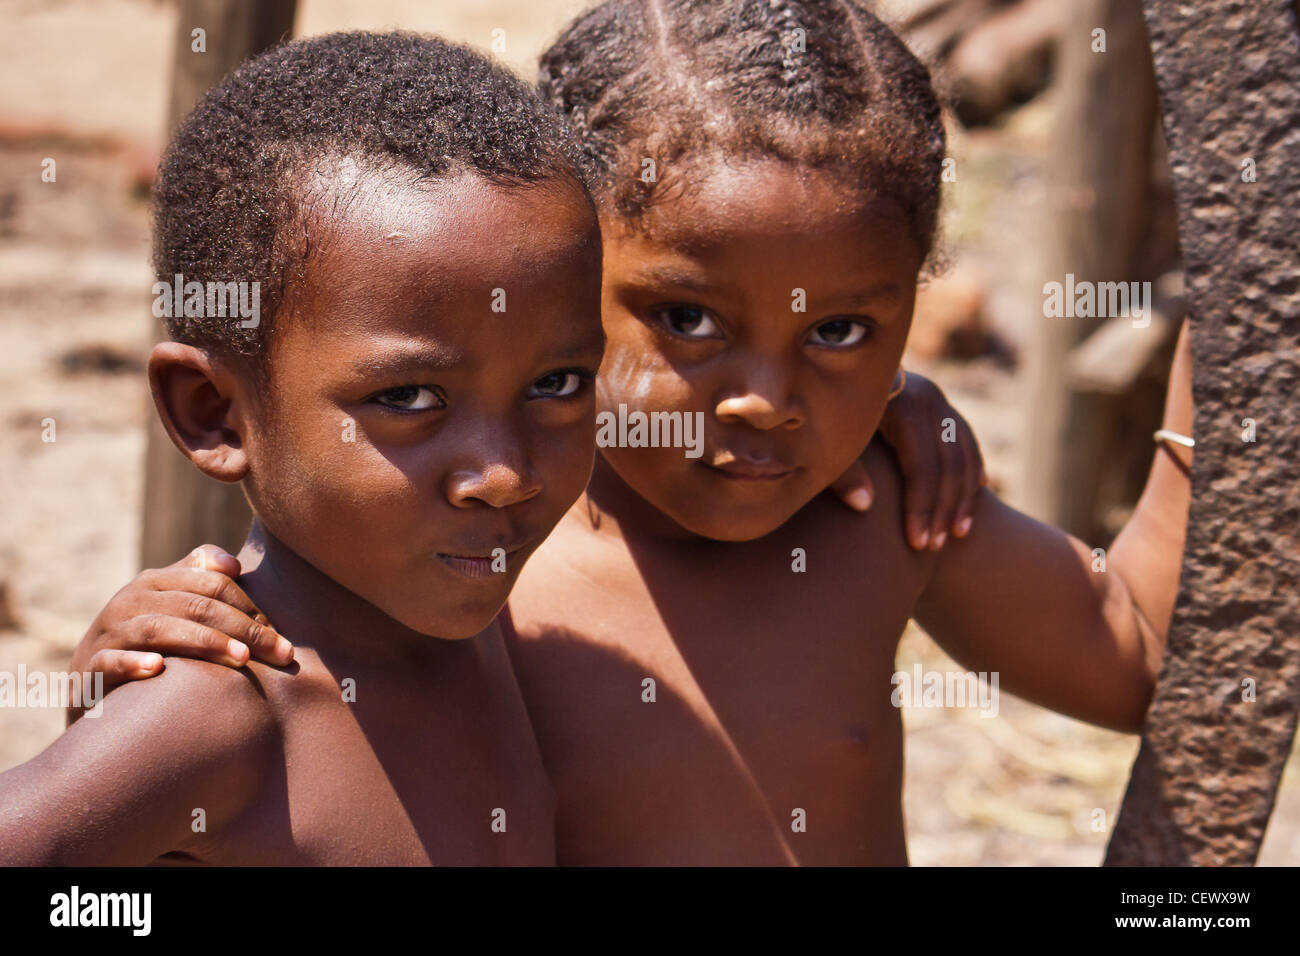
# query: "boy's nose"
{"type": "Point", "coordinates": [498, 485]}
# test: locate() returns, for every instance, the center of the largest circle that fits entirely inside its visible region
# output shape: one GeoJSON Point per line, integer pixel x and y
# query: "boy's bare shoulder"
{"type": "Point", "coordinates": [121, 787]}
{"type": "Point", "coordinates": [192, 691]}
{"type": "Point", "coordinates": [196, 717]}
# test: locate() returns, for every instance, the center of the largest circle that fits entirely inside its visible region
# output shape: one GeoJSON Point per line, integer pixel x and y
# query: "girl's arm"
{"type": "Point", "coordinates": [192, 608]}
{"type": "Point", "coordinates": [1061, 627]}
{"type": "Point", "coordinates": [1148, 552]}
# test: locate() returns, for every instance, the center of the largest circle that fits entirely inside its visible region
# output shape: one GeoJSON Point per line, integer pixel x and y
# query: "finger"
{"type": "Point", "coordinates": [179, 637]}
{"type": "Point", "coordinates": [121, 667]}
{"type": "Point", "coordinates": [948, 495]}
{"type": "Point", "coordinates": [212, 584]}
{"type": "Point", "coordinates": [118, 667]}
{"type": "Point", "coordinates": [854, 487]}
{"type": "Point", "coordinates": [209, 557]}
{"type": "Point", "coordinates": [920, 466]}
{"type": "Point", "coordinates": [265, 643]}
{"type": "Point", "coordinates": [971, 484]}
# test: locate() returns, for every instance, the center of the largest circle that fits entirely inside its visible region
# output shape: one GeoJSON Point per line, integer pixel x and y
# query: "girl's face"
{"type": "Point", "coordinates": [776, 301]}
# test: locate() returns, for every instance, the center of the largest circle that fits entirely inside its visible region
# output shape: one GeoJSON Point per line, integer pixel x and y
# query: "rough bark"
{"type": "Point", "coordinates": [1206, 777]}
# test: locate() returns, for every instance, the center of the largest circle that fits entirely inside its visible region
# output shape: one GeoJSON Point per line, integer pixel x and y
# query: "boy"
{"type": "Point", "coordinates": [404, 446]}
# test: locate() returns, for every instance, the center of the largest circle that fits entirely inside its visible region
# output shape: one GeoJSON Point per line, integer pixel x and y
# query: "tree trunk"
{"type": "Point", "coordinates": [1100, 162]}
{"type": "Point", "coordinates": [182, 507]}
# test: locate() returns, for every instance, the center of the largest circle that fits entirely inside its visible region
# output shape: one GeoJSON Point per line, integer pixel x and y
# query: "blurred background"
{"type": "Point", "coordinates": [1058, 168]}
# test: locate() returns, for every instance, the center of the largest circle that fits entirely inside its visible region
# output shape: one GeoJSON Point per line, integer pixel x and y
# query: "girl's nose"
{"type": "Point", "coordinates": [764, 405]}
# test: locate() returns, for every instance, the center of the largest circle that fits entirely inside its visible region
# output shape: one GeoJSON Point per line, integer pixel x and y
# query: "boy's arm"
{"type": "Point", "coordinates": [940, 461]}
{"type": "Point", "coordinates": [1022, 599]}
{"type": "Point", "coordinates": [199, 736]}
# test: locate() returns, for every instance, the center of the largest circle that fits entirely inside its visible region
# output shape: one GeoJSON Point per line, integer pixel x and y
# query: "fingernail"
{"type": "Point", "coordinates": [859, 499]}
{"type": "Point", "coordinates": [150, 662]}
{"type": "Point", "coordinates": [283, 649]}
{"type": "Point", "coordinates": [963, 527]}
{"type": "Point", "coordinates": [939, 539]}
{"type": "Point", "coordinates": [922, 538]}
{"type": "Point", "coordinates": [237, 649]}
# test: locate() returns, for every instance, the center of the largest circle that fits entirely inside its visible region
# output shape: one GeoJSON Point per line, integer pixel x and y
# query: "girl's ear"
{"type": "Point", "coordinates": [194, 399]}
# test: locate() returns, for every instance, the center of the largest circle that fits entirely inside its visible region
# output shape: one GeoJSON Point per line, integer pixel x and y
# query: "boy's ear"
{"type": "Point", "coordinates": [198, 404]}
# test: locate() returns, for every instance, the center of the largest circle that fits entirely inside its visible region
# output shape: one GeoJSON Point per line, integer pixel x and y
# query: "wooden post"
{"type": "Point", "coordinates": [183, 508]}
{"type": "Point", "coordinates": [1224, 716]}
{"type": "Point", "coordinates": [1098, 183]}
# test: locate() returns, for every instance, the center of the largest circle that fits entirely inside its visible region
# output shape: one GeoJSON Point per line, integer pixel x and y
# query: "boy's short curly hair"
{"type": "Point", "coordinates": [229, 203]}
{"type": "Point", "coordinates": [819, 83]}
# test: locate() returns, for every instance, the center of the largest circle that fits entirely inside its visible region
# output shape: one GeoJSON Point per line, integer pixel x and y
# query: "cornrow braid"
{"type": "Point", "coordinates": [786, 23]}
{"type": "Point", "coordinates": [819, 83]}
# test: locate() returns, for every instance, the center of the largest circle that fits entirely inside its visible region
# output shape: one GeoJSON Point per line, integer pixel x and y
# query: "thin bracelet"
{"type": "Point", "coordinates": [1164, 433]}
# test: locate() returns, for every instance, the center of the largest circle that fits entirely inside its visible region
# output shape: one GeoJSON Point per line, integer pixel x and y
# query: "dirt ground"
{"type": "Point", "coordinates": [85, 83]}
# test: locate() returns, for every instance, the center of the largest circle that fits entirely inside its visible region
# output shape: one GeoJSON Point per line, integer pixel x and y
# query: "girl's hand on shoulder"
{"type": "Point", "coordinates": [192, 608]}
{"type": "Point", "coordinates": [943, 470]}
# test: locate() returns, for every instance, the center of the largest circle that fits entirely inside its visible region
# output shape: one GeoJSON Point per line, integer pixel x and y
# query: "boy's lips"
{"type": "Point", "coordinates": [477, 563]}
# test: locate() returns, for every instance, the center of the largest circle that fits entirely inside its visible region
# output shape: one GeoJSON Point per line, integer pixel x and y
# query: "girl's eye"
{"type": "Point", "coordinates": [690, 321]}
{"type": "Point", "coordinates": [838, 333]}
{"type": "Point", "coordinates": [410, 398]}
{"type": "Point", "coordinates": [560, 384]}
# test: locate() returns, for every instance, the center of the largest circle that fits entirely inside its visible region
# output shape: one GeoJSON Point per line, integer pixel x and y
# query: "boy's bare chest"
{"type": "Point", "coordinates": [378, 775]}
{"type": "Point", "coordinates": [714, 713]}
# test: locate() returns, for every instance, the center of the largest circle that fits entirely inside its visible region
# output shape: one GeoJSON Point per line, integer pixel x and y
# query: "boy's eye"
{"type": "Point", "coordinates": [410, 398]}
{"type": "Point", "coordinates": [560, 384]}
{"type": "Point", "coordinates": [691, 321]}
{"type": "Point", "coordinates": [838, 333]}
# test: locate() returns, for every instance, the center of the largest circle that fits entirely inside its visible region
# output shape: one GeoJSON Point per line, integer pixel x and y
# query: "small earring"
{"type": "Point", "coordinates": [902, 381]}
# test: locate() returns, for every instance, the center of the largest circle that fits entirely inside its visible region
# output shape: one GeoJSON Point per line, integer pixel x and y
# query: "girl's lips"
{"type": "Point", "coordinates": [752, 471]}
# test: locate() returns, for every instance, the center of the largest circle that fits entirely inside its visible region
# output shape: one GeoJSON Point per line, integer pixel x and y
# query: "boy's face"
{"type": "Point", "coordinates": [411, 427]}
{"type": "Point", "coordinates": [775, 301]}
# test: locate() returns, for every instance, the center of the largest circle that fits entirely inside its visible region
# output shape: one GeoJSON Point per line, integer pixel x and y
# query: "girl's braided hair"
{"type": "Point", "coordinates": [819, 83]}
